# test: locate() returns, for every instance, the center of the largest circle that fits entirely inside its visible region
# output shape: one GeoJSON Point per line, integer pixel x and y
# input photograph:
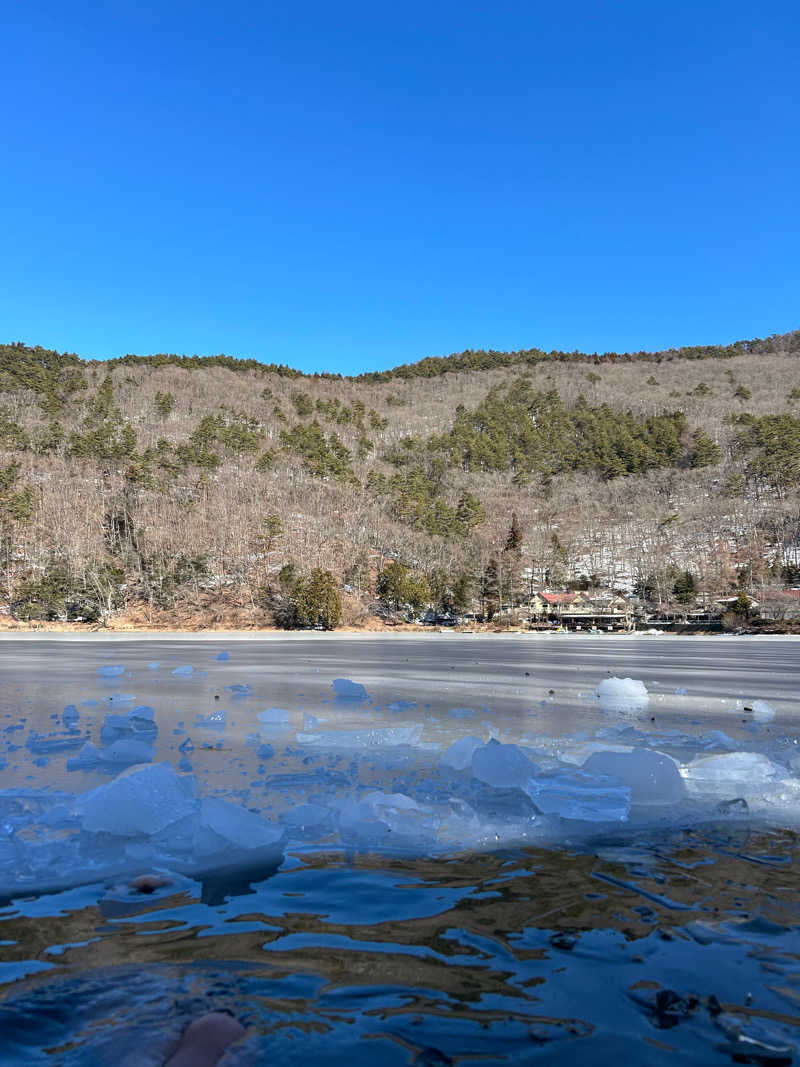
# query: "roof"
{"type": "Point", "coordinates": [558, 598]}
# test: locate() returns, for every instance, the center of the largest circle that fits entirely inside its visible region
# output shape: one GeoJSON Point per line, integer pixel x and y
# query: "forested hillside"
{"type": "Point", "coordinates": [163, 485]}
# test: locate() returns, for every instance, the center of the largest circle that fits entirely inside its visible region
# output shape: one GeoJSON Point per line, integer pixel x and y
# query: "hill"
{"type": "Point", "coordinates": [166, 487]}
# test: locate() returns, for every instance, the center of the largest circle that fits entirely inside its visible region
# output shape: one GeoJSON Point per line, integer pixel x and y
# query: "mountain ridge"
{"type": "Point", "coordinates": [433, 366]}
{"type": "Point", "coordinates": [132, 482]}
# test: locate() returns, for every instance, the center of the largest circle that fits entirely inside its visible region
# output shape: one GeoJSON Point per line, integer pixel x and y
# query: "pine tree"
{"type": "Point", "coordinates": [461, 593]}
{"type": "Point", "coordinates": [514, 539]}
{"type": "Point", "coordinates": [490, 593]}
{"type": "Point", "coordinates": [469, 512]}
{"type": "Point", "coordinates": [318, 600]}
{"type": "Point", "coordinates": [391, 585]}
{"type": "Point", "coordinates": [685, 587]}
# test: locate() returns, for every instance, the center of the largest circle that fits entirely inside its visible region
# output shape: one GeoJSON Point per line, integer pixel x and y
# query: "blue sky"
{"type": "Point", "coordinates": [354, 185]}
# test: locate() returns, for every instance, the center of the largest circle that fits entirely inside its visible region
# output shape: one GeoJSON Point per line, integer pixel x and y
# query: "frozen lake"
{"type": "Point", "coordinates": [452, 845]}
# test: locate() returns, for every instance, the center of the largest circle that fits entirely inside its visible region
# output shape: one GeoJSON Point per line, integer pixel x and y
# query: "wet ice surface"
{"type": "Point", "coordinates": [403, 841]}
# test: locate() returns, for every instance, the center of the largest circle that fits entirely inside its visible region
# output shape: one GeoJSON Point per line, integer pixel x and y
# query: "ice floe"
{"type": "Point", "coordinates": [622, 696]}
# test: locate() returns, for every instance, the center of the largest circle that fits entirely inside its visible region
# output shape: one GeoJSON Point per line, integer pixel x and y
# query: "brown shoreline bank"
{"type": "Point", "coordinates": [124, 624]}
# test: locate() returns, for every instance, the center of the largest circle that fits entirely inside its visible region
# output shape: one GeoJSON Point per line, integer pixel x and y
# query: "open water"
{"type": "Point", "coordinates": [427, 850]}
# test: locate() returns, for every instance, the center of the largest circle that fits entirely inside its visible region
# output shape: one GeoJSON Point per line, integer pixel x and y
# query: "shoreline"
{"type": "Point", "coordinates": [93, 634]}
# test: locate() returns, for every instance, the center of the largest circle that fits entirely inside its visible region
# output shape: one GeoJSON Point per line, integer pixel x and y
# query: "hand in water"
{"type": "Point", "coordinates": [204, 1041]}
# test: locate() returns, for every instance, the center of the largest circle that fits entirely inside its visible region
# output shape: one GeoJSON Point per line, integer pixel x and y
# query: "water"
{"type": "Point", "coordinates": [414, 908]}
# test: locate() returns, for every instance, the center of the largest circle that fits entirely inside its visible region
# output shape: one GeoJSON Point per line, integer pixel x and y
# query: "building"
{"type": "Point", "coordinates": [582, 611]}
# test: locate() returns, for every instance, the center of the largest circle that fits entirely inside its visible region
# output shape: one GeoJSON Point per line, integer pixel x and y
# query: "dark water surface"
{"type": "Point", "coordinates": [672, 935]}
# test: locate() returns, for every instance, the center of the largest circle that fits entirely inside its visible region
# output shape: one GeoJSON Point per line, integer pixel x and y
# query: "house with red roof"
{"type": "Point", "coordinates": [582, 610]}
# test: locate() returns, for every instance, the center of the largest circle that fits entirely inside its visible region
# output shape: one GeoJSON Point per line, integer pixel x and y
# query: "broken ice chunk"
{"type": "Point", "coordinates": [347, 690]}
{"type": "Point", "coordinates": [459, 755]}
{"type": "Point", "coordinates": [70, 716]}
{"type": "Point", "coordinates": [217, 720]}
{"type": "Point", "coordinates": [399, 706]}
{"type": "Point", "coordinates": [393, 735]}
{"type": "Point", "coordinates": [306, 816]}
{"type": "Point", "coordinates": [88, 757]}
{"type": "Point", "coordinates": [240, 691]}
{"type": "Point", "coordinates": [402, 815]}
{"type": "Point", "coordinates": [622, 696]}
{"type": "Point", "coordinates": [143, 711]}
{"type": "Point", "coordinates": [717, 739]}
{"type": "Point", "coordinates": [358, 821]}
{"type": "Point", "coordinates": [732, 769]}
{"type": "Point", "coordinates": [126, 751]}
{"type": "Point", "coordinates": [142, 800]}
{"type": "Point", "coordinates": [577, 754]}
{"type": "Point", "coordinates": [588, 797]}
{"type": "Point", "coordinates": [184, 671]}
{"type": "Point", "coordinates": [762, 711]}
{"type": "Point", "coordinates": [274, 717]}
{"type": "Point", "coordinates": [502, 766]}
{"type": "Point", "coordinates": [43, 743]}
{"type": "Point", "coordinates": [652, 777]}
{"type": "Point", "coordinates": [111, 671]}
{"type": "Point", "coordinates": [137, 723]}
{"type": "Point", "coordinates": [119, 699]}
{"type": "Point", "coordinates": [222, 825]}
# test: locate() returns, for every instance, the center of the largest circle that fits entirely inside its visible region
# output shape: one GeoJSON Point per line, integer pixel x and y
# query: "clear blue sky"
{"type": "Point", "coordinates": [352, 185]}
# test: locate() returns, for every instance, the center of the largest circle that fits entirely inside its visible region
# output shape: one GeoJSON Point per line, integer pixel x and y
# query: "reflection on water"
{"type": "Point", "coordinates": [681, 947]}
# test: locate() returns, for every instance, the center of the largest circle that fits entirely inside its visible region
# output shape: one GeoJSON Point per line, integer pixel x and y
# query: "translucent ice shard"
{"type": "Point", "coordinates": [652, 777]}
{"type": "Point", "coordinates": [142, 800]}
{"type": "Point", "coordinates": [588, 797]}
{"type": "Point", "coordinates": [222, 826]}
{"type": "Point", "coordinates": [502, 766]}
{"type": "Point", "coordinates": [459, 755]}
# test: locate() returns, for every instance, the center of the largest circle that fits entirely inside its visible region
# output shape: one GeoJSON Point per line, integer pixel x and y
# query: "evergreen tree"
{"type": "Point", "coordinates": [391, 585]}
{"type": "Point", "coordinates": [318, 600]}
{"type": "Point", "coordinates": [514, 539]}
{"type": "Point", "coordinates": [490, 592]}
{"type": "Point", "coordinates": [742, 605]}
{"type": "Point", "coordinates": [164, 403]}
{"type": "Point", "coordinates": [462, 593]}
{"type": "Point", "coordinates": [417, 592]}
{"type": "Point", "coordinates": [705, 452]}
{"type": "Point", "coordinates": [685, 588]}
{"type": "Point", "coordinates": [469, 512]}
